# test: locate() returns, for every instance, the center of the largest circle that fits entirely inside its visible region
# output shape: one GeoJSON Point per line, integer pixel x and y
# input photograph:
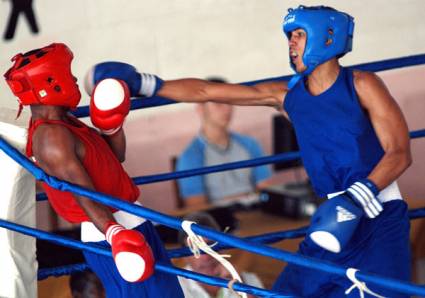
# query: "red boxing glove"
{"type": "Point", "coordinates": [109, 105]}
{"type": "Point", "coordinates": [132, 254]}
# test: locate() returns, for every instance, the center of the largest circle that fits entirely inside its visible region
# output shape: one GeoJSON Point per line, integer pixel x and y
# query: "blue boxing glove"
{"type": "Point", "coordinates": [335, 221]}
{"type": "Point", "coordinates": [139, 84]}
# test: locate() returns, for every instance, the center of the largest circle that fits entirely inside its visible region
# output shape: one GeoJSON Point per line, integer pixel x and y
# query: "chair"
{"type": "Point", "coordinates": [179, 200]}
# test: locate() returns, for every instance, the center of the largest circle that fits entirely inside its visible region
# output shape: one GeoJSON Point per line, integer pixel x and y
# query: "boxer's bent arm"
{"type": "Point", "coordinates": [196, 90]}
{"type": "Point", "coordinates": [390, 127]}
{"type": "Point", "coordinates": [54, 148]}
{"type": "Point", "coordinates": [117, 142]}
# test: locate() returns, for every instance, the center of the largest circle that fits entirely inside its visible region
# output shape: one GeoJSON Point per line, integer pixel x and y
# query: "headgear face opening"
{"type": "Point", "coordinates": [329, 33]}
{"type": "Point", "coordinates": [43, 76]}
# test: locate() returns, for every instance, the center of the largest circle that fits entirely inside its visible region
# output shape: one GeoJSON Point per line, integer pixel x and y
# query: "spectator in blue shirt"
{"type": "Point", "coordinates": [214, 145]}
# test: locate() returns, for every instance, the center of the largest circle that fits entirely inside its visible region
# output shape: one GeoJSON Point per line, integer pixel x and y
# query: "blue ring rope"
{"type": "Point", "coordinates": [223, 167]}
{"type": "Point", "coordinates": [274, 237]}
{"type": "Point", "coordinates": [61, 270]}
{"type": "Point", "coordinates": [140, 103]}
{"type": "Point", "coordinates": [97, 249]}
{"type": "Point", "coordinates": [180, 252]}
{"type": "Point", "coordinates": [215, 281]}
{"type": "Point", "coordinates": [184, 251]}
{"type": "Point", "coordinates": [175, 223]}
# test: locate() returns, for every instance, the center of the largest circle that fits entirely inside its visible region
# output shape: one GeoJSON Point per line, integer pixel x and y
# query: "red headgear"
{"type": "Point", "coordinates": [43, 76]}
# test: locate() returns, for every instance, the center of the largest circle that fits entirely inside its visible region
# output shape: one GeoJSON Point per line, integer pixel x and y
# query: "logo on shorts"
{"type": "Point", "coordinates": [343, 214]}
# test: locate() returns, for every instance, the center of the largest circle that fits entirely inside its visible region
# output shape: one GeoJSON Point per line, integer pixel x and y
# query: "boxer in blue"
{"type": "Point", "coordinates": [353, 140]}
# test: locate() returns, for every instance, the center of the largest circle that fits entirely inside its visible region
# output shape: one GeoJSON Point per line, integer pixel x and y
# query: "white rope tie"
{"type": "Point", "coordinates": [360, 285]}
{"type": "Point", "coordinates": [196, 244]}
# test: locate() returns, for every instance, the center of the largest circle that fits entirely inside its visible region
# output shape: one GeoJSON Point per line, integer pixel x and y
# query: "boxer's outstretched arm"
{"type": "Point", "coordinates": [186, 90]}
{"type": "Point", "coordinates": [196, 90]}
{"type": "Point", "coordinates": [390, 127]}
{"type": "Point", "coordinates": [54, 148]}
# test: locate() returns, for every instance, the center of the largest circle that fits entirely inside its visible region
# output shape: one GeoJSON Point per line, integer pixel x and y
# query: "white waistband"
{"type": "Point", "coordinates": [89, 232]}
{"type": "Point", "coordinates": [389, 193]}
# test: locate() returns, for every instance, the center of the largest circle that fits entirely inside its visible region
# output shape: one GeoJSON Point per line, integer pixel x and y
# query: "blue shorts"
{"type": "Point", "coordinates": [158, 285]}
{"type": "Point", "coordinates": [379, 245]}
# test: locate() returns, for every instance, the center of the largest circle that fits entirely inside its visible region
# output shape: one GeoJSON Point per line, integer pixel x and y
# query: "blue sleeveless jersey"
{"type": "Point", "coordinates": [337, 142]}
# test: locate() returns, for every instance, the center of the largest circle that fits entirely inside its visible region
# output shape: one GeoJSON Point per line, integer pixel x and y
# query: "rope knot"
{"type": "Point", "coordinates": [197, 244]}
{"type": "Point", "coordinates": [360, 285]}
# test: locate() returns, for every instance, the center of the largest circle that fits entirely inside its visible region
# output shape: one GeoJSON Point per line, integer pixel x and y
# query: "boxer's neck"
{"type": "Point", "coordinates": [49, 112]}
{"type": "Point", "coordinates": [323, 77]}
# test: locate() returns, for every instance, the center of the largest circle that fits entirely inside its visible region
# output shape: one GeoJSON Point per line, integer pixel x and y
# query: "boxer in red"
{"type": "Point", "coordinates": [66, 148]}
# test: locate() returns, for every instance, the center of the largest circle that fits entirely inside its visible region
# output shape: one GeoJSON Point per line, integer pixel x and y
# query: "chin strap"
{"type": "Point", "coordinates": [19, 111]}
{"type": "Point", "coordinates": [294, 80]}
{"type": "Point", "coordinates": [196, 244]}
{"type": "Point", "coordinates": [360, 285]}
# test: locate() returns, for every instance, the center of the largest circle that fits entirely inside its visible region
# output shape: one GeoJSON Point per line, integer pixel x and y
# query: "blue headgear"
{"type": "Point", "coordinates": [329, 34]}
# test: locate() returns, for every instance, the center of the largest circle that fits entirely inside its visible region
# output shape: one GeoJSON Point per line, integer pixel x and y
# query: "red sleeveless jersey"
{"type": "Point", "coordinates": [104, 169]}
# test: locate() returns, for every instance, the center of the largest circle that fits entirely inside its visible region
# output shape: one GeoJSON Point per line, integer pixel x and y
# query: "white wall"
{"type": "Point", "coordinates": [239, 39]}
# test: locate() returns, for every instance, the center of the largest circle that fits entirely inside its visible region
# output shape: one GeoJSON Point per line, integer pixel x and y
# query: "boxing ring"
{"type": "Point", "coordinates": [253, 244]}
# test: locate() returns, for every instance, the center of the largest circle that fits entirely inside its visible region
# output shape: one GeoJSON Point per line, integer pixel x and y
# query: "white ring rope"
{"type": "Point", "coordinates": [360, 285]}
{"type": "Point", "coordinates": [197, 243]}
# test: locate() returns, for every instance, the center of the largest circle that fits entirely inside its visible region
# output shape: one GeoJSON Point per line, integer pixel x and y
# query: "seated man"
{"type": "Point", "coordinates": [214, 145]}
{"type": "Point", "coordinates": [206, 264]}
